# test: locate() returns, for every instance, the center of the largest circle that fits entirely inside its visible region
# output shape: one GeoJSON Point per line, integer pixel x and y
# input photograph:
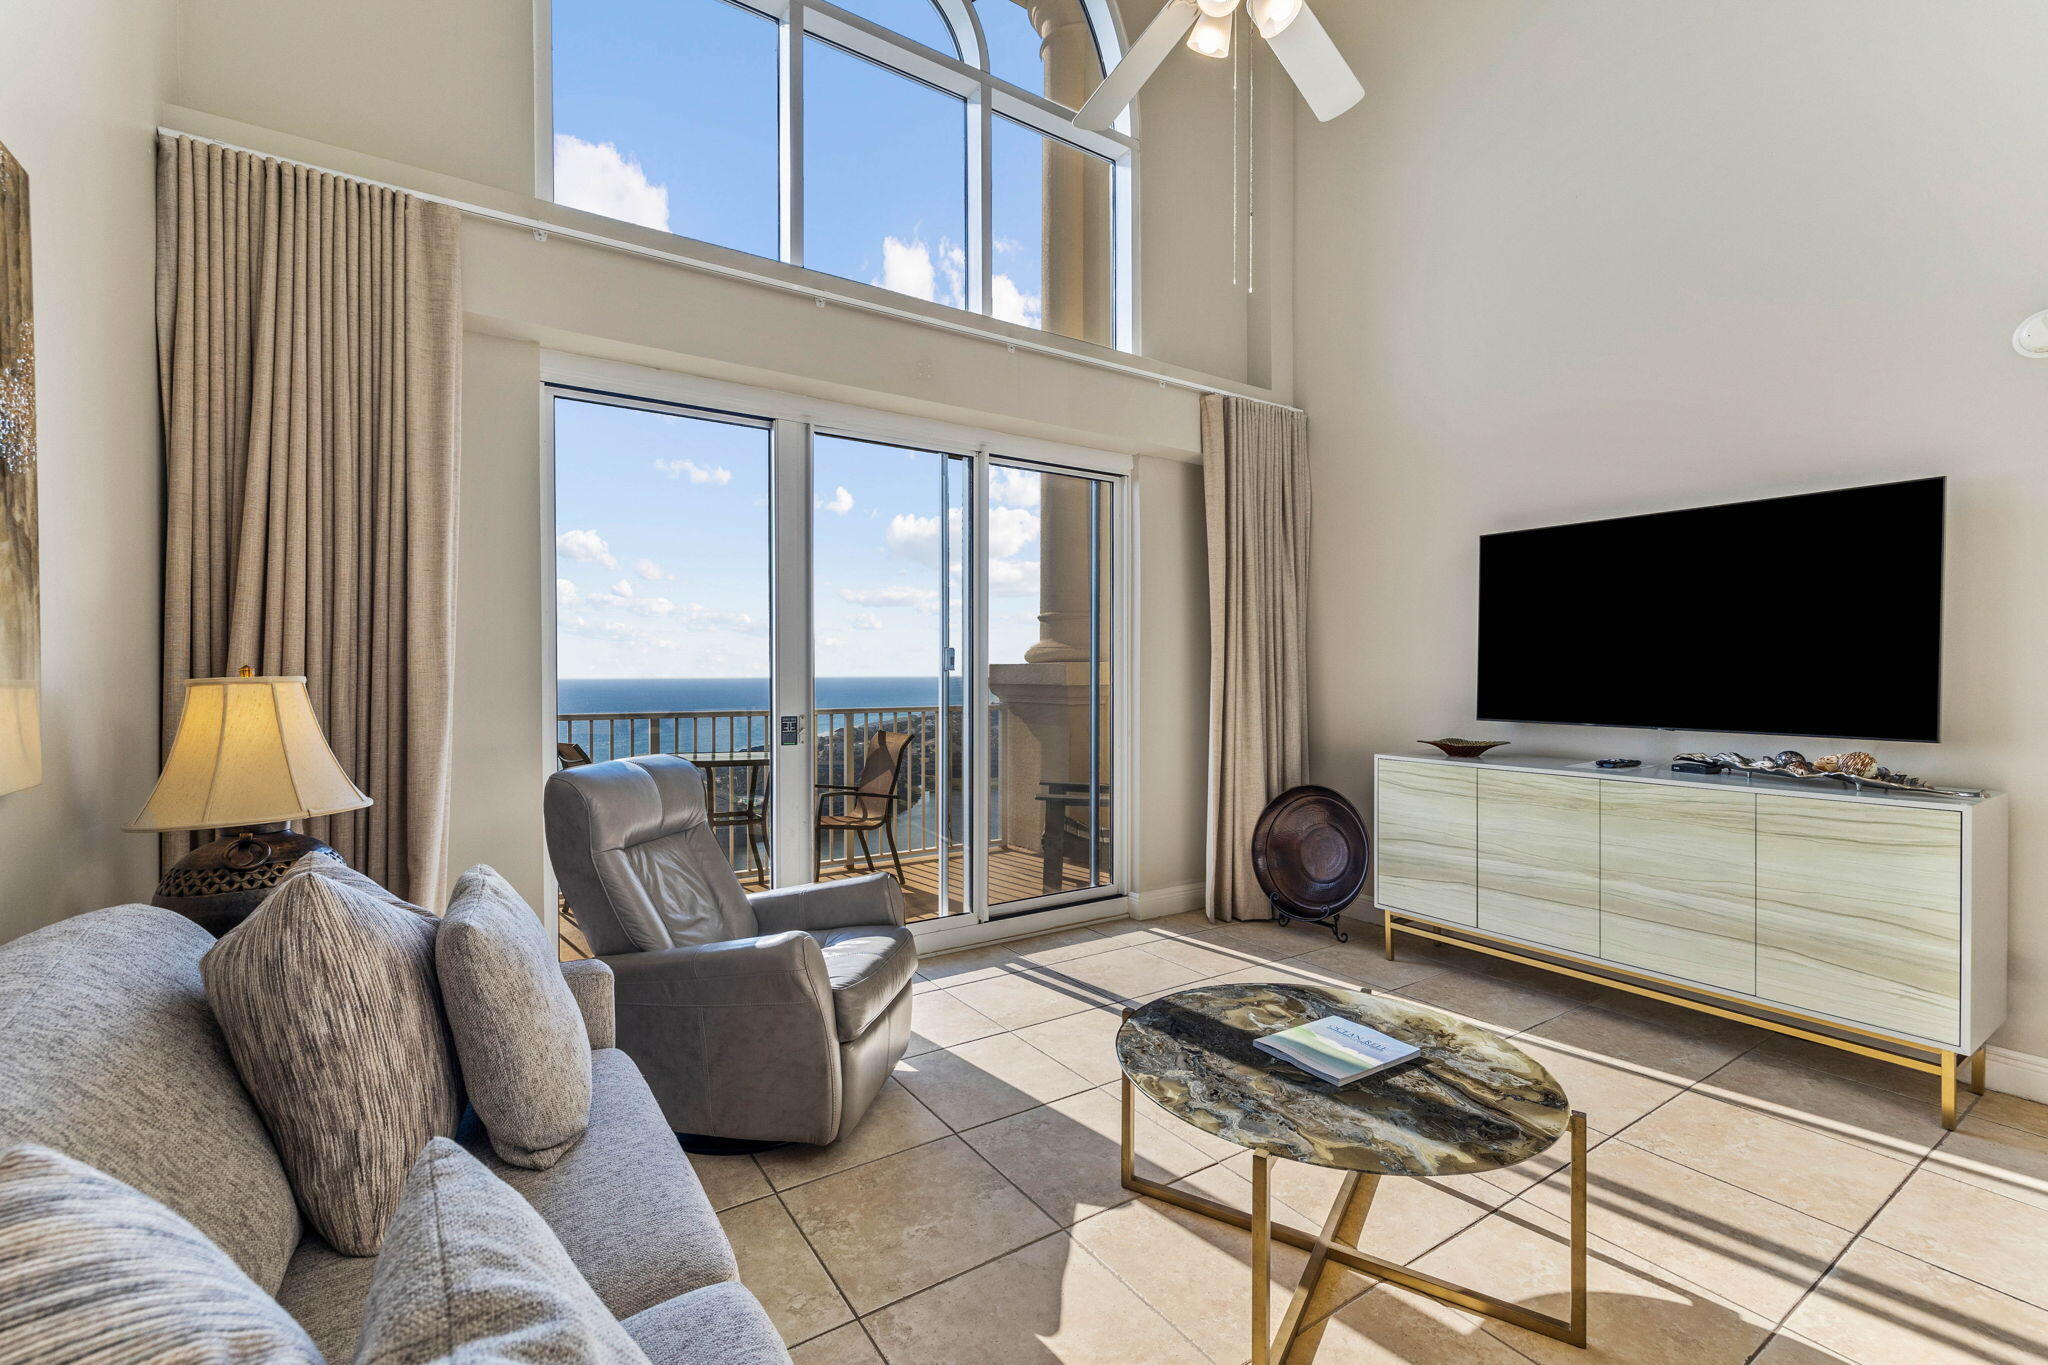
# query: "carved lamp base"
{"type": "Point", "coordinates": [217, 885]}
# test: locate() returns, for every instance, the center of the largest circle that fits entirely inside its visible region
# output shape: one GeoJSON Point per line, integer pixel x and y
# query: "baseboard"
{"type": "Point", "coordinates": [2016, 1073]}
{"type": "Point", "coordinates": [1168, 900]}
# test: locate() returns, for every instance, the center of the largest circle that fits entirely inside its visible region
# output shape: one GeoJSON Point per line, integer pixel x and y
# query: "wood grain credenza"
{"type": "Point", "coordinates": [1870, 922]}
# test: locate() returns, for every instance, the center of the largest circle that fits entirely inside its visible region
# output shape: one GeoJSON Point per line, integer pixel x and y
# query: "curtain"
{"type": "Point", "coordinates": [1256, 492]}
{"type": "Point", "coordinates": [309, 348]}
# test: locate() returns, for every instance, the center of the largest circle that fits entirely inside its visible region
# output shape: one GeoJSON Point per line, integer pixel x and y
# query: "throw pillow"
{"type": "Point", "coordinates": [329, 1004]}
{"type": "Point", "coordinates": [524, 1051]}
{"type": "Point", "coordinates": [95, 1271]}
{"type": "Point", "coordinates": [334, 869]}
{"type": "Point", "coordinates": [470, 1272]}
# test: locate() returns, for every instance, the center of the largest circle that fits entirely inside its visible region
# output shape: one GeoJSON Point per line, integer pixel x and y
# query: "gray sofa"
{"type": "Point", "coordinates": [774, 1017]}
{"type": "Point", "coordinates": [113, 1057]}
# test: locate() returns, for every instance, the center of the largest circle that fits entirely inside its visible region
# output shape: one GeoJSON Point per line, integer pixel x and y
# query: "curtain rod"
{"type": "Point", "coordinates": [544, 231]}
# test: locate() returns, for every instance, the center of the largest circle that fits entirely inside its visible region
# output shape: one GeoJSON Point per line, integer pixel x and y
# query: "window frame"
{"type": "Point", "coordinates": [984, 95]}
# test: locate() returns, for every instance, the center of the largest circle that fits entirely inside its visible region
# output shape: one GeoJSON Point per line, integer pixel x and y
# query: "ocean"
{"type": "Point", "coordinates": [738, 694]}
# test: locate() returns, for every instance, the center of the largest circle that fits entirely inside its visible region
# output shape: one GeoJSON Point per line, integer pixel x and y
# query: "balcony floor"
{"type": "Point", "coordinates": [1014, 874]}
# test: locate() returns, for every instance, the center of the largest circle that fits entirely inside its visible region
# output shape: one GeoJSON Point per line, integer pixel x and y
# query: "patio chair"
{"type": "Point", "coordinates": [870, 803]}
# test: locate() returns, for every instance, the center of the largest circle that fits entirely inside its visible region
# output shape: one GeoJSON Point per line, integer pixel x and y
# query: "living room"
{"type": "Point", "coordinates": [842, 474]}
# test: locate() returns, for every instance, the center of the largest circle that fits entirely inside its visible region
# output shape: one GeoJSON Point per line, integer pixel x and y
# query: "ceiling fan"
{"type": "Point", "coordinates": [1296, 36]}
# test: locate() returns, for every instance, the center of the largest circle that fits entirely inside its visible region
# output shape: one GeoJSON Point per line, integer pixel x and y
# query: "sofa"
{"type": "Point", "coordinates": [113, 1057]}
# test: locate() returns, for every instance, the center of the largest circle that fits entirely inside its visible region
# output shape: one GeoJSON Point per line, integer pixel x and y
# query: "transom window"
{"type": "Point", "coordinates": [925, 146]}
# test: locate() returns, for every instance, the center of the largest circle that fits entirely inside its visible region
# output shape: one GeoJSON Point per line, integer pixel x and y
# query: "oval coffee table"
{"type": "Point", "coordinates": [1471, 1102]}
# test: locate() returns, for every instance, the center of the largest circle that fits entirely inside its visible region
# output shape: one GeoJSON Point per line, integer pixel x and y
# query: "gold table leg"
{"type": "Point", "coordinates": [1337, 1244]}
{"type": "Point", "coordinates": [1977, 1070]}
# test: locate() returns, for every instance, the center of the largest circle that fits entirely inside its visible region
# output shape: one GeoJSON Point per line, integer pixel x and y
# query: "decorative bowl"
{"type": "Point", "coordinates": [1463, 748]}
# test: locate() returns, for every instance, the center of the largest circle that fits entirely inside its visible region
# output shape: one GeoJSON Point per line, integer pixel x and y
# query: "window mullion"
{"type": "Point", "coordinates": [792, 105]}
{"type": "Point", "coordinates": [980, 202]}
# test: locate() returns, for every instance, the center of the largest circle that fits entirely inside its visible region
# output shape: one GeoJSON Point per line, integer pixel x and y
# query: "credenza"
{"type": "Point", "coordinates": [1874, 922]}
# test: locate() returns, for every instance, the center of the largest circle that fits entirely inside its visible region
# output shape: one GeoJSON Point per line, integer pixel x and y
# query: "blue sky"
{"type": "Point", "coordinates": [662, 551]}
{"type": "Point", "coordinates": [666, 114]}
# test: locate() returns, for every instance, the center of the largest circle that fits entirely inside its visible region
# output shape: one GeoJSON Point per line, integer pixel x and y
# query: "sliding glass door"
{"type": "Point", "coordinates": [890, 651]}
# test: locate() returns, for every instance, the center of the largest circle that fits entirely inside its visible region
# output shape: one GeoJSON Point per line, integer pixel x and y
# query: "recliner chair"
{"type": "Point", "coordinates": [767, 1018]}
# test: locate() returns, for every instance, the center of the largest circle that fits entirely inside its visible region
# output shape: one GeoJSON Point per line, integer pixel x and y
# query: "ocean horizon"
{"type": "Point", "coordinates": [622, 695]}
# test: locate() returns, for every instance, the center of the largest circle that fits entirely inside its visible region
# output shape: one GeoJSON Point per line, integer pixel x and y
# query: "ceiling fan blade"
{"type": "Point", "coordinates": [1315, 65]}
{"type": "Point", "coordinates": [1154, 45]}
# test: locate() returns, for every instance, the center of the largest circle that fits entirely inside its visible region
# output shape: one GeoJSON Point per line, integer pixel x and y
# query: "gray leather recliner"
{"type": "Point", "coordinates": [774, 1017]}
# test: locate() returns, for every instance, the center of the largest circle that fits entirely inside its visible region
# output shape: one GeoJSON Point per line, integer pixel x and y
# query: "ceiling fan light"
{"type": "Point", "coordinates": [1216, 9]}
{"type": "Point", "coordinates": [1272, 17]}
{"type": "Point", "coordinates": [1211, 36]}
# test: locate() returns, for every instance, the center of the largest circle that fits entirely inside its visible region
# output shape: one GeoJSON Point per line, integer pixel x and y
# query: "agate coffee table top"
{"type": "Point", "coordinates": [1471, 1102]}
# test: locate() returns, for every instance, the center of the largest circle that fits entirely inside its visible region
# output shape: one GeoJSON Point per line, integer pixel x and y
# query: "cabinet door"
{"type": "Point", "coordinates": [1678, 882]}
{"type": "Point", "coordinates": [1539, 859]}
{"type": "Point", "coordinates": [1426, 821]}
{"type": "Point", "coordinates": [1859, 913]}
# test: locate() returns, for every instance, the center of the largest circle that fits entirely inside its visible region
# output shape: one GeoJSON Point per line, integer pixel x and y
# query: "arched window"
{"type": "Point", "coordinates": [926, 146]}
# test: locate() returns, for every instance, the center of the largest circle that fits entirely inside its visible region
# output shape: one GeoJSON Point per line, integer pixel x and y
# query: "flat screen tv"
{"type": "Point", "coordinates": [1818, 614]}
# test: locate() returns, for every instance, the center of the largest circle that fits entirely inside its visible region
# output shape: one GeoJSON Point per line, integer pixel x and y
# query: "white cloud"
{"type": "Point", "coordinates": [864, 620]}
{"type": "Point", "coordinates": [913, 537]}
{"type": "Point", "coordinates": [1010, 529]}
{"type": "Point", "coordinates": [566, 594]}
{"type": "Point", "coordinates": [1013, 577]}
{"type": "Point", "coordinates": [1010, 304]}
{"type": "Point", "coordinates": [587, 546]}
{"type": "Point", "coordinates": [897, 596]}
{"type": "Point", "coordinates": [696, 473]}
{"type": "Point", "coordinates": [650, 570]}
{"type": "Point", "coordinates": [840, 503]}
{"type": "Point", "coordinates": [1014, 487]}
{"type": "Point", "coordinates": [913, 267]}
{"type": "Point", "coordinates": [622, 588]}
{"type": "Point", "coordinates": [599, 178]}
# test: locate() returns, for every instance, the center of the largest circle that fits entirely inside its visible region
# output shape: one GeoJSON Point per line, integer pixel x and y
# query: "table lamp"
{"type": "Point", "coordinates": [248, 759]}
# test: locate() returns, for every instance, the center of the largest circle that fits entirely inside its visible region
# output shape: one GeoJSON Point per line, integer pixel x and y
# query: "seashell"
{"type": "Point", "coordinates": [1728, 758]}
{"type": "Point", "coordinates": [1856, 763]}
{"type": "Point", "coordinates": [1799, 767]}
{"type": "Point", "coordinates": [1829, 763]}
{"type": "Point", "coordinates": [1788, 758]}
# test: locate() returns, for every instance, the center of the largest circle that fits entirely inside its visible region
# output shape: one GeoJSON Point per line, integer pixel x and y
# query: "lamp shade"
{"type": "Point", "coordinates": [248, 752]}
{"type": "Point", "coordinates": [21, 738]}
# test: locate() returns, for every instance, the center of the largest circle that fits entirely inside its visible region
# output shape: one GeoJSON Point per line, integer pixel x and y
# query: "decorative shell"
{"type": "Point", "coordinates": [1856, 763]}
{"type": "Point", "coordinates": [1788, 758]}
{"type": "Point", "coordinates": [1829, 763]}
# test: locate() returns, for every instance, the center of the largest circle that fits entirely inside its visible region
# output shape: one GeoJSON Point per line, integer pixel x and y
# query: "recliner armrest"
{"type": "Point", "coordinates": [590, 981]}
{"type": "Point", "coordinates": [776, 968]}
{"type": "Point", "coordinates": [848, 904]}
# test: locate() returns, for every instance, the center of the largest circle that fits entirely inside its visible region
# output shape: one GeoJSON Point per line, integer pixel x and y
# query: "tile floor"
{"type": "Point", "coordinates": [1753, 1198]}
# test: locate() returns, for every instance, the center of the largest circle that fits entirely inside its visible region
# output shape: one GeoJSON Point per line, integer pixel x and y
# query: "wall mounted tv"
{"type": "Point", "coordinates": [1818, 614]}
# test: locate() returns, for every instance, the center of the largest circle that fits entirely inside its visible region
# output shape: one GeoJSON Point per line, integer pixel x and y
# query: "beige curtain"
{"type": "Point", "coordinates": [1255, 486]}
{"type": "Point", "coordinates": [309, 338]}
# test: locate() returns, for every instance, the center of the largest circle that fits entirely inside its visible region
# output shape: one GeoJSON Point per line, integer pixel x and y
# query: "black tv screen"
{"type": "Point", "coordinates": [1818, 614]}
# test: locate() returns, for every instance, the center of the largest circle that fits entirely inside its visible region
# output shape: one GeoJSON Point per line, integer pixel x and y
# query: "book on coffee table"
{"type": "Point", "coordinates": [1336, 1050]}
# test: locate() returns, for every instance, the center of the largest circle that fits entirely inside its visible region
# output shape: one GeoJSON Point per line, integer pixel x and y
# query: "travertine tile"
{"type": "Point", "coordinates": [894, 1122]}
{"type": "Point", "coordinates": [1679, 1052]}
{"type": "Point", "coordinates": [1084, 1043]}
{"type": "Point", "coordinates": [941, 1019]}
{"type": "Point", "coordinates": [2014, 1112]}
{"type": "Point", "coordinates": [1850, 1066]}
{"type": "Point", "coordinates": [985, 1080]}
{"type": "Point", "coordinates": [777, 1265]}
{"type": "Point", "coordinates": [1050, 1301]}
{"type": "Point", "coordinates": [1786, 1349]}
{"type": "Point", "coordinates": [2008, 1161]}
{"type": "Point", "coordinates": [962, 965]}
{"type": "Point", "coordinates": [729, 1180]}
{"type": "Point", "coordinates": [1879, 1307]}
{"type": "Point", "coordinates": [1119, 973]}
{"type": "Point", "coordinates": [1362, 965]}
{"type": "Point", "coordinates": [1266, 940]}
{"type": "Point", "coordinates": [848, 1345]}
{"type": "Point", "coordinates": [1194, 1270]}
{"type": "Point", "coordinates": [1815, 1174]}
{"type": "Point", "coordinates": [1203, 956]}
{"type": "Point", "coordinates": [1879, 1120]}
{"type": "Point", "coordinates": [1391, 1326]}
{"type": "Point", "coordinates": [1737, 1245]}
{"type": "Point", "coordinates": [908, 1221]}
{"type": "Point", "coordinates": [1638, 1314]}
{"type": "Point", "coordinates": [1408, 1216]}
{"type": "Point", "coordinates": [1018, 997]}
{"type": "Point", "coordinates": [1611, 1091]}
{"type": "Point", "coordinates": [1986, 1237]}
{"type": "Point", "coordinates": [1503, 1006]}
{"type": "Point", "coordinates": [1066, 1155]}
{"type": "Point", "coordinates": [1062, 945]}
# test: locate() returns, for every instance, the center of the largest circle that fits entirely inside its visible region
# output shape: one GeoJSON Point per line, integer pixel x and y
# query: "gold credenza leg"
{"type": "Point", "coordinates": [1387, 928]}
{"type": "Point", "coordinates": [1337, 1244]}
{"type": "Point", "coordinates": [1949, 1061]}
{"type": "Point", "coordinates": [1977, 1069]}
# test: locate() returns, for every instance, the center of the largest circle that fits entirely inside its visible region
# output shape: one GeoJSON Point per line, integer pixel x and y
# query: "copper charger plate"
{"type": "Point", "coordinates": [1311, 854]}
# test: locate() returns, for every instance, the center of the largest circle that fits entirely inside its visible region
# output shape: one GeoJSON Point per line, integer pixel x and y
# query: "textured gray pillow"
{"type": "Point", "coordinates": [333, 1017]}
{"type": "Point", "coordinates": [335, 870]}
{"type": "Point", "coordinates": [470, 1272]}
{"type": "Point", "coordinates": [95, 1271]}
{"type": "Point", "coordinates": [520, 1037]}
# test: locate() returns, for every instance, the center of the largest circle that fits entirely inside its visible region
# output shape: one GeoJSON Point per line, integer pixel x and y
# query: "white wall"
{"type": "Point", "coordinates": [77, 107]}
{"type": "Point", "coordinates": [1596, 257]}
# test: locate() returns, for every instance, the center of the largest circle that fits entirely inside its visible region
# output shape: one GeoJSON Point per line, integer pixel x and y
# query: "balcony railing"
{"type": "Point", "coordinates": [842, 737]}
